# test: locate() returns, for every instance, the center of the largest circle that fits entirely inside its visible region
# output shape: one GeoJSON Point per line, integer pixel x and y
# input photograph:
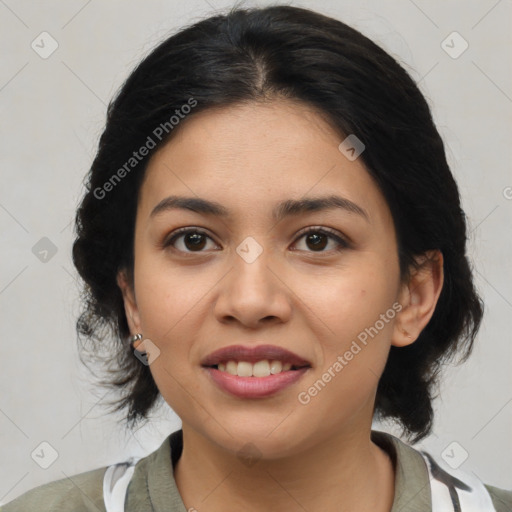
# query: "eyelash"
{"type": "Point", "coordinates": [333, 235]}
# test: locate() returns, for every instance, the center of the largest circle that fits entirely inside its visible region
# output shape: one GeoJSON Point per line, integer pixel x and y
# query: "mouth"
{"type": "Point", "coordinates": [259, 361]}
{"type": "Point", "coordinates": [254, 372]}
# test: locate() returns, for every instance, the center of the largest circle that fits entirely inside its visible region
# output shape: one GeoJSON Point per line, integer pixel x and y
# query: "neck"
{"type": "Point", "coordinates": [345, 473]}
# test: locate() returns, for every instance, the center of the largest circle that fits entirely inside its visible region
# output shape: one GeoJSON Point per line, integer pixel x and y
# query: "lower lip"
{"type": "Point", "coordinates": [255, 387]}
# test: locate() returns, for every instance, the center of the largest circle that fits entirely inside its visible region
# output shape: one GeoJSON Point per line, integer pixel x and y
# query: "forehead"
{"type": "Point", "coordinates": [258, 154]}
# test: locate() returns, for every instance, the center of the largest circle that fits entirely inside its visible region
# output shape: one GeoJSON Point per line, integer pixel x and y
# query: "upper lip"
{"type": "Point", "coordinates": [253, 355]}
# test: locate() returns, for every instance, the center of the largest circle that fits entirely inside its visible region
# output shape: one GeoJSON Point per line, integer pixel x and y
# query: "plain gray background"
{"type": "Point", "coordinates": [52, 113]}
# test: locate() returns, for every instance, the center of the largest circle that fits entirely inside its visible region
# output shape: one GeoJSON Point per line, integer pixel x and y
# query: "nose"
{"type": "Point", "coordinates": [253, 294]}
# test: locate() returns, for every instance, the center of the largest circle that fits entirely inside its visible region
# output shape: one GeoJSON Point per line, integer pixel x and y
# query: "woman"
{"type": "Point", "coordinates": [271, 223]}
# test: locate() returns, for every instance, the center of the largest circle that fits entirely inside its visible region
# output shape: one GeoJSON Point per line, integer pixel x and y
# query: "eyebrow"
{"type": "Point", "coordinates": [282, 210]}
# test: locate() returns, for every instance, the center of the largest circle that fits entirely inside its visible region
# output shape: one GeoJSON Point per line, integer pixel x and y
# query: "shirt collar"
{"type": "Point", "coordinates": [412, 484]}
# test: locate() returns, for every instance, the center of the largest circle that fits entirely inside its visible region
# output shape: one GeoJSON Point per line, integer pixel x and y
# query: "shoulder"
{"type": "Point", "coordinates": [425, 481]}
{"type": "Point", "coordinates": [501, 498]}
{"type": "Point", "coordinates": [109, 486]}
{"type": "Point", "coordinates": [82, 492]}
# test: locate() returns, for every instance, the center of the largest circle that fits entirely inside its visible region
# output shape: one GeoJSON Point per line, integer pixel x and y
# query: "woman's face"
{"type": "Point", "coordinates": [251, 279]}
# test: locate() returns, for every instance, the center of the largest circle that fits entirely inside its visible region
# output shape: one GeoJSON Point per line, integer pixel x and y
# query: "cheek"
{"type": "Point", "coordinates": [354, 317]}
{"type": "Point", "coordinates": [167, 296]}
{"type": "Point", "coordinates": [169, 304]}
{"type": "Point", "coordinates": [349, 301]}
{"type": "Point", "coordinates": [353, 343]}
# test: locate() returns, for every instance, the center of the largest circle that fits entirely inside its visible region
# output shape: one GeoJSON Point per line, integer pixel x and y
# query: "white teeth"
{"type": "Point", "coordinates": [244, 369]}
{"type": "Point", "coordinates": [232, 367]}
{"type": "Point", "coordinates": [262, 368]}
{"type": "Point", "coordinates": [276, 367]}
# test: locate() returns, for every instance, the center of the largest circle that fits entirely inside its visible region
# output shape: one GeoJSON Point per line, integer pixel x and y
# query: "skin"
{"type": "Point", "coordinates": [317, 456]}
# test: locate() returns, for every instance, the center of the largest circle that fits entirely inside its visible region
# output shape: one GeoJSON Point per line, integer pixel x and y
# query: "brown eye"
{"type": "Point", "coordinates": [193, 240]}
{"type": "Point", "coordinates": [317, 239]}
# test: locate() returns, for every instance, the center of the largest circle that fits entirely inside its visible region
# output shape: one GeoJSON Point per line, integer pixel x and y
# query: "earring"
{"type": "Point", "coordinates": [134, 338]}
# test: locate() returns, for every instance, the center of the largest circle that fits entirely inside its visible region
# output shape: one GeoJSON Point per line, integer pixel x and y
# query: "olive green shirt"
{"type": "Point", "coordinates": [152, 487]}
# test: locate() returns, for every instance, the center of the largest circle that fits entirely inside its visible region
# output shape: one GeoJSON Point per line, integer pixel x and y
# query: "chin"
{"type": "Point", "coordinates": [258, 441]}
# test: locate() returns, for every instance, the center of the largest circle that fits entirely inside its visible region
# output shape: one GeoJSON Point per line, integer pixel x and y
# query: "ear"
{"type": "Point", "coordinates": [418, 298]}
{"type": "Point", "coordinates": [130, 304]}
